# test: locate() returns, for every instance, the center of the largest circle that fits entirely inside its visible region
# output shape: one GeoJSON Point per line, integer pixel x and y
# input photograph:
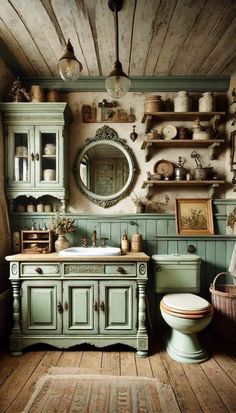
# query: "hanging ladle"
{"type": "Point", "coordinates": [196, 157]}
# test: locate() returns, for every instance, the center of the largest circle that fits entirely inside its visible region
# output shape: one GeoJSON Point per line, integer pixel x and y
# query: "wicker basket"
{"type": "Point", "coordinates": [223, 298]}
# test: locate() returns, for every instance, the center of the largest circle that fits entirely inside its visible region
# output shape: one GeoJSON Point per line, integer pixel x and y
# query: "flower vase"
{"type": "Point", "coordinates": [61, 243]}
{"type": "Point", "coordinates": [140, 208]}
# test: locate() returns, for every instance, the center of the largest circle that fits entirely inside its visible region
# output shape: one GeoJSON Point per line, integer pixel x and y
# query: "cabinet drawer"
{"type": "Point", "coordinates": [38, 269]}
{"type": "Point", "coordinates": [91, 269]}
{"type": "Point", "coordinates": [120, 269]}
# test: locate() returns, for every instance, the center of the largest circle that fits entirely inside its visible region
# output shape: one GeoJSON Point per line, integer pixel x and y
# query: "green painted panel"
{"type": "Point", "coordinates": [138, 83]}
{"type": "Point", "coordinates": [118, 295]}
{"type": "Point", "coordinates": [39, 307]}
{"type": "Point", "coordinates": [172, 247]}
{"type": "Point", "coordinates": [79, 298]}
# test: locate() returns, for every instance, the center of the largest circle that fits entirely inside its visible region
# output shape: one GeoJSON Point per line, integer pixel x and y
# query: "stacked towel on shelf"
{"type": "Point", "coordinates": [232, 265]}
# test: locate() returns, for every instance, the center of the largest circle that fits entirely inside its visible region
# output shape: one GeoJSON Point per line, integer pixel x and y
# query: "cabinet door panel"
{"type": "Point", "coordinates": [40, 300]}
{"type": "Point", "coordinates": [20, 157]}
{"type": "Point", "coordinates": [48, 172]}
{"type": "Point", "coordinates": [118, 307]}
{"type": "Point", "coordinates": [80, 307]}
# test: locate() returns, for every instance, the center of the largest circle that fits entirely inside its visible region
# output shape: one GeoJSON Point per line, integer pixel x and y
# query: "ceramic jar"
{"type": "Point", "coordinates": [206, 103]}
{"type": "Point", "coordinates": [49, 174]}
{"type": "Point", "coordinates": [198, 132]}
{"type": "Point", "coordinates": [30, 208]}
{"type": "Point", "coordinates": [182, 102]}
{"type": "Point", "coordinates": [37, 93]}
{"type": "Point", "coordinates": [40, 208]}
{"type": "Point", "coordinates": [50, 149]}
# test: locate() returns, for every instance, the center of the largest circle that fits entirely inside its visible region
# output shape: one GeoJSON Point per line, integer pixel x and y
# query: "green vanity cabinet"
{"type": "Point", "coordinates": [35, 149]}
{"type": "Point", "coordinates": [94, 300]}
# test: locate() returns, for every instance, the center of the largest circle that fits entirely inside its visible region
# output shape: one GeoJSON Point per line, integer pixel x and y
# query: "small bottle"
{"type": "Point", "coordinates": [125, 244]}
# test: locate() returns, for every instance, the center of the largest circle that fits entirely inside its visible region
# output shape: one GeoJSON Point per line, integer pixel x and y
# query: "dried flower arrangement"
{"type": "Point", "coordinates": [62, 225]}
{"type": "Point", "coordinates": [232, 218]}
{"type": "Point", "coordinates": [139, 198]}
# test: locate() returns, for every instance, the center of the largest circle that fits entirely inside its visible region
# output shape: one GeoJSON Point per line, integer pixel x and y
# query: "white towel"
{"type": "Point", "coordinates": [232, 265]}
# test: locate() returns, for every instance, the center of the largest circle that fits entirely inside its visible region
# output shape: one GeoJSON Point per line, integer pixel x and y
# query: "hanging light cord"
{"type": "Point", "coordinates": [116, 34]}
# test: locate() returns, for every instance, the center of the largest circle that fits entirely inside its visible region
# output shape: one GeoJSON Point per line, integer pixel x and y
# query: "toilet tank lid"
{"type": "Point", "coordinates": [176, 258]}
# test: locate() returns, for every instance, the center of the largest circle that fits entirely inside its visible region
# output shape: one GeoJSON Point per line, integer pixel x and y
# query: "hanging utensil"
{"type": "Point", "coordinates": [196, 157]}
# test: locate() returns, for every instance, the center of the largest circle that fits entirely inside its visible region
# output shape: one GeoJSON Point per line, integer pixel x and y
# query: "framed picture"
{"type": "Point", "coordinates": [194, 216]}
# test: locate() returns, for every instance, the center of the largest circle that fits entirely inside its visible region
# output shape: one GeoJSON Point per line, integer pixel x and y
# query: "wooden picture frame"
{"type": "Point", "coordinates": [194, 216]}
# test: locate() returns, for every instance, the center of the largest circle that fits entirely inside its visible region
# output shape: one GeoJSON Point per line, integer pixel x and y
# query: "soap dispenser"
{"type": "Point", "coordinates": [180, 171]}
{"type": "Point", "coordinates": [125, 244]}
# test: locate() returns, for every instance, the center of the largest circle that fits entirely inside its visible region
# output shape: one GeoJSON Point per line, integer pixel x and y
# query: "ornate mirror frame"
{"type": "Point", "coordinates": [105, 135]}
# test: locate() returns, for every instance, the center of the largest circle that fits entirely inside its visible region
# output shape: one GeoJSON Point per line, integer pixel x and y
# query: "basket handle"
{"type": "Point", "coordinates": [218, 275]}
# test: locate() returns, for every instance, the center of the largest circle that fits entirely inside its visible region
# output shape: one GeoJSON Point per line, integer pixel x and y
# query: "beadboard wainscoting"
{"type": "Point", "coordinates": [158, 233]}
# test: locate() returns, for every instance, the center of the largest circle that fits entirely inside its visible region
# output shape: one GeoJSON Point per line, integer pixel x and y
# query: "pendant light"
{"type": "Point", "coordinates": [117, 83]}
{"type": "Point", "coordinates": [69, 66]}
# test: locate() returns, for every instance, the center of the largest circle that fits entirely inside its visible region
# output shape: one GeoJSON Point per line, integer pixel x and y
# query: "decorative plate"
{"type": "Point", "coordinates": [164, 168]}
{"type": "Point", "coordinates": [169, 132]}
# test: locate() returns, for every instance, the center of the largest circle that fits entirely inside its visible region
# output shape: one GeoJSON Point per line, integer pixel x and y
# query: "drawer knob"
{"type": "Point", "coordinates": [191, 248]}
{"type": "Point", "coordinates": [59, 307]}
{"type": "Point", "coordinates": [120, 270]}
{"type": "Point", "coordinates": [38, 270]}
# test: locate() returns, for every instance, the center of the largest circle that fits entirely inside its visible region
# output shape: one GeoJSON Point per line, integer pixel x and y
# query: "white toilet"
{"type": "Point", "coordinates": [185, 312]}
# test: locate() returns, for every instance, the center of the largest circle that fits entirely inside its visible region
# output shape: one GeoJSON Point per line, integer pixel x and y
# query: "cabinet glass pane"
{"type": "Point", "coordinates": [21, 160]}
{"type": "Point", "coordinates": [48, 156]}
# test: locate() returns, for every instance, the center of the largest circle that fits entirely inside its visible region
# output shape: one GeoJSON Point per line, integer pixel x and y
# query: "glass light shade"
{"type": "Point", "coordinates": [69, 66]}
{"type": "Point", "coordinates": [117, 86]}
{"type": "Point", "coordinates": [117, 83]}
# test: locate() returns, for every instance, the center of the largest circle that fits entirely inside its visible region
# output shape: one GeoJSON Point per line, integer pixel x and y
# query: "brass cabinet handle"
{"type": "Point", "coordinates": [95, 306]}
{"type": "Point", "coordinates": [37, 156]}
{"type": "Point", "coordinates": [38, 270]}
{"type": "Point", "coordinates": [102, 306]}
{"type": "Point", "coordinates": [59, 307]}
{"type": "Point", "coordinates": [66, 306]}
{"type": "Point", "coordinates": [120, 270]}
{"type": "Point", "coordinates": [32, 157]}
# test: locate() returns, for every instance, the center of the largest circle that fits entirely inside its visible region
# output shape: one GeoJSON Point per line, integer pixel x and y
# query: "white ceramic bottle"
{"type": "Point", "coordinates": [206, 102]}
{"type": "Point", "coordinates": [182, 102]}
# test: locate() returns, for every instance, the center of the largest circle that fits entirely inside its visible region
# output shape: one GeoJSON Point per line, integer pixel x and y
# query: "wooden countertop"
{"type": "Point", "coordinates": [54, 256]}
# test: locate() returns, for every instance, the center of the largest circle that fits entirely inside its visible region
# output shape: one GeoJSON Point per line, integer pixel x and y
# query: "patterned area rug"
{"type": "Point", "coordinates": [94, 393]}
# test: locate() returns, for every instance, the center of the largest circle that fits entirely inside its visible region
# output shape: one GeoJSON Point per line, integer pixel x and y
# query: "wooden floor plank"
{"type": "Point", "coordinates": [184, 394]}
{"type": "Point", "coordinates": [222, 383]}
{"type": "Point", "coordinates": [50, 359]}
{"type": "Point", "coordinates": [205, 393]}
{"type": "Point", "coordinates": [111, 363]}
{"type": "Point", "coordinates": [128, 363]}
{"type": "Point", "coordinates": [144, 367]}
{"type": "Point", "coordinates": [18, 378]}
{"type": "Point", "coordinates": [70, 359]}
{"type": "Point", "coordinates": [91, 360]}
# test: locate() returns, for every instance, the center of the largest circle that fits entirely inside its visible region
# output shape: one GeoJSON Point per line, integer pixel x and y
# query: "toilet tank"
{"type": "Point", "coordinates": [176, 273]}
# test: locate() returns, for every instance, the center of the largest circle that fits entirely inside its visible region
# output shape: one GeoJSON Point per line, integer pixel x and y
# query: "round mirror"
{"type": "Point", "coordinates": [104, 168]}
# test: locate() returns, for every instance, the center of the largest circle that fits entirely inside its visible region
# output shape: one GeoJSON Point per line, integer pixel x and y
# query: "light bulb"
{"type": "Point", "coordinates": [117, 86]}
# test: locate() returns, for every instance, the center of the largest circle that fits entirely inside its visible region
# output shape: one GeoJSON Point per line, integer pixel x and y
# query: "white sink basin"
{"type": "Point", "coordinates": [90, 251]}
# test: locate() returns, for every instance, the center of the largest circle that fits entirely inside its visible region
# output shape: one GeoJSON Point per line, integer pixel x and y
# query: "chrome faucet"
{"type": "Point", "coordinates": [94, 238]}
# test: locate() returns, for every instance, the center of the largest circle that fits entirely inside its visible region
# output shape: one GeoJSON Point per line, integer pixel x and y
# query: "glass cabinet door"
{"type": "Point", "coordinates": [47, 151]}
{"type": "Point", "coordinates": [19, 157]}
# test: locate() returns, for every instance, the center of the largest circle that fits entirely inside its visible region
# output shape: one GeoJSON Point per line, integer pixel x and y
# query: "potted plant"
{"type": "Point", "coordinates": [61, 225]}
{"type": "Point", "coordinates": [140, 200]}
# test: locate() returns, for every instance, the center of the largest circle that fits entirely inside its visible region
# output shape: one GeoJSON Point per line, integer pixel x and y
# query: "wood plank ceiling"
{"type": "Point", "coordinates": [157, 37]}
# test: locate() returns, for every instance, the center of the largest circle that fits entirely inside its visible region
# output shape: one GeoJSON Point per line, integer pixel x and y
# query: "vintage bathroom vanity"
{"type": "Point", "coordinates": [65, 301]}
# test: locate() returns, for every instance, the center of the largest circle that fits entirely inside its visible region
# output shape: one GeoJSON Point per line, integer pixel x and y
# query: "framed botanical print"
{"type": "Point", "coordinates": [194, 216]}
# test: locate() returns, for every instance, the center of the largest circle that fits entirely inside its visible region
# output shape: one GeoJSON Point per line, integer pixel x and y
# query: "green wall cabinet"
{"type": "Point", "coordinates": [35, 150]}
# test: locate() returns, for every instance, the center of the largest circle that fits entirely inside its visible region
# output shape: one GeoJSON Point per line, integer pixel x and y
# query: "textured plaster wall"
{"type": "Point", "coordinates": [80, 131]}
